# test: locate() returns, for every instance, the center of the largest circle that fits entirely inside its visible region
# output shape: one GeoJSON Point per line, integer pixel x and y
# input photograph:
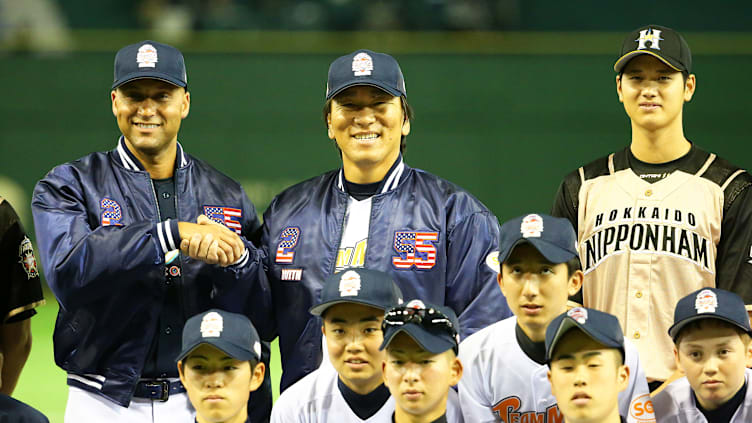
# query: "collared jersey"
{"type": "Point", "coordinates": [317, 399]}
{"type": "Point", "coordinates": [430, 235]}
{"type": "Point", "coordinates": [676, 404]}
{"type": "Point", "coordinates": [501, 383]}
{"type": "Point", "coordinates": [644, 246]}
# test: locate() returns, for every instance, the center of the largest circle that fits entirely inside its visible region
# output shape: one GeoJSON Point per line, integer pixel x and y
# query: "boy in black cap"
{"type": "Point", "coordinates": [220, 365]}
{"type": "Point", "coordinates": [352, 308]}
{"type": "Point", "coordinates": [585, 353]}
{"type": "Point", "coordinates": [430, 235]}
{"type": "Point", "coordinates": [421, 364]}
{"type": "Point", "coordinates": [505, 363]}
{"type": "Point", "coordinates": [134, 240]}
{"type": "Point", "coordinates": [662, 217]}
{"type": "Point", "coordinates": [711, 334]}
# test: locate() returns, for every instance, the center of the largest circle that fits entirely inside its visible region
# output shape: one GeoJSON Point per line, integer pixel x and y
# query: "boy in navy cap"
{"type": "Point", "coordinates": [711, 335]}
{"type": "Point", "coordinates": [352, 308]}
{"type": "Point", "coordinates": [431, 236]}
{"type": "Point", "coordinates": [220, 365]}
{"type": "Point", "coordinates": [585, 351]}
{"type": "Point", "coordinates": [421, 364]}
{"type": "Point", "coordinates": [505, 363]}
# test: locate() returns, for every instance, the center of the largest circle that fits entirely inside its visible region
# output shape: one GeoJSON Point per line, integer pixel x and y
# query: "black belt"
{"type": "Point", "coordinates": [158, 389]}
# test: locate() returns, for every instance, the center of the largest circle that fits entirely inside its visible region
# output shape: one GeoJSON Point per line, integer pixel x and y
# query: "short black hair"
{"type": "Point", "coordinates": [573, 265]}
{"type": "Point", "coordinates": [684, 73]}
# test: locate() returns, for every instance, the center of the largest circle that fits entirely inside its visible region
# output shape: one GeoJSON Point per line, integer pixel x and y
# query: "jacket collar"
{"type": "Point", "coordinates": [130, 162]}
{"type": "Point", "coordinates": [390, 181]}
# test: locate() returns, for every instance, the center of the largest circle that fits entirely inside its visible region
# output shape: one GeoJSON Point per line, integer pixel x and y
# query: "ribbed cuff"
{"type": "Point", "coordinates": [243, 259]}
{"type": "Point", "coordinates": [168, 235]}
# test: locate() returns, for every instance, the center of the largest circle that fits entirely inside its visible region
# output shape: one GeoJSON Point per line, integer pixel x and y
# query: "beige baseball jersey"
{"type": "Point", "coordinates": [643, 246]}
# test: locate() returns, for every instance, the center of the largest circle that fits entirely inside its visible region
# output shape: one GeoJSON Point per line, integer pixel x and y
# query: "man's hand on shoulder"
{"type": "Point", "coordinates": [211, 242]}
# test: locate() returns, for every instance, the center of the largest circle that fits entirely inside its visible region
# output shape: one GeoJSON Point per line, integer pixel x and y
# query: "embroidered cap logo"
{"type": "Point", "coordinates": [706, 301]}
{"type": "Point", "coordinates": [211, 325]}
{"type": "Point", "coordinates": [532, 226]}
{"type": "Point", "coordinates": [349, 284]}
{"type": "Point", "coordinates": [147, 56]}
{"type": "Point", "coordinates": [579, 315]}
{"type": "Point", "coordinates": [362, 64]}
{"type": "Point", "coordinates": [652, 36]}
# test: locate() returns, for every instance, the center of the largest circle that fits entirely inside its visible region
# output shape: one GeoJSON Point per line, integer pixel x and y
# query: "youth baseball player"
{"type": "Point", "coordinates": [430, 235]}
{"type": "Point", "coordinates": [220, 365]}
{"type": "Point", "coordinates": [662, 217]}
{"type": "Point", "coordinates": [109, 226]}
{"type": "Point", "coordinates": [421, 364]}
{"type": "Point", "coordinates": [505, 376]}
{"type": "Point", "coordinates": [20, 294]}
{"type": "Point", "coordinates": [585, 352]}
{"type": "Point", "coordinates": [711, 334]}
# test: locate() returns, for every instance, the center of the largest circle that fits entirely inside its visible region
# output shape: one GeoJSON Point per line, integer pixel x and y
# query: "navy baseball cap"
{"type": "Point", "coordinates": [658, 41]}
{"type": "Point", "coordinates": [602, 327]}
{"type": "Point", "coordinates": [553, 237]}
{"type": "Point", "coordinates": [150, 60]}
{"type": "Point", "coordinates": [710, 303]}
{"type": "Point", "coordinates": [434, 328]}
{"type": "Point", "coordinates": [365, 67]}
{"type": "Point", "coordinates": [362, 286]}
{"type": "Point", "coordinates": [231, 333]}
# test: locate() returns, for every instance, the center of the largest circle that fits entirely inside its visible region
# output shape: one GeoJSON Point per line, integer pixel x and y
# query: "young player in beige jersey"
{"type": "Point", "coordinates": [661, 218]}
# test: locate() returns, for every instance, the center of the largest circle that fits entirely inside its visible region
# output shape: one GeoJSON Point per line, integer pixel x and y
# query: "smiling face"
{"type": "Point", "coordinates": [653, 94]}
{"type": "Point", "coordinates": [713, 357]}
{"type": "Point", "coordinates": [419, 380]}
{"type": "Point", "coordinates": [586, 378]}
{"type": "Point", "coordinates": [536, 289]}
{"type": "Point", "coordinates": [149, 113]}
{"type": "Point", "coordinates": [353, 336]}
{"type": "Point", "coordinates": [367, 124]}
{"type": "Point", "coordinates": [218, 385]}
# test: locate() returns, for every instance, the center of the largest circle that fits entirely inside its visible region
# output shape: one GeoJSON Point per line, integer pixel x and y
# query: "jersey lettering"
{"type": "Point", "coordinates": [352, 257]}
{"type": "Point", "coordinates": [653, 230]}
{"type": "Point", "coordinates": [415, 249]}
{"type": "Point", "coordinates": [111, 212]}
{"type": "Point", "coordinates": [508, 411]}
{"type": "Point", "coordinates": [288, 239]}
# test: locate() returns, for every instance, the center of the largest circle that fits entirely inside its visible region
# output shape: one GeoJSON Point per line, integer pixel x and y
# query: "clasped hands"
{"type": "Point", "coordinates": [211, 242]}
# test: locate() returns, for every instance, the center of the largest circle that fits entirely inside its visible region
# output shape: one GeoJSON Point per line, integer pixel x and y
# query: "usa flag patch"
{"type": "Point", "coordinates": [288, 239]}
{"type": "Point", "coordinates": [112, 214]}
{"type": "Point", "coordinates": [415, 249]}
{"type": "Point", "coordinates": [227, 216]}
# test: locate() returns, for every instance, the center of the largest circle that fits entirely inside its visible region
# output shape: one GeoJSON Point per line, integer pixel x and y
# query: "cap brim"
{"type": "Point", "coordinates": [551, 252]}
{"type": "Point", "coordinates": [149, 75]}
{"type": "Point", "coordinates": [623, 60]}
{"type": "Point", "coordinates": [365, 81]}
{"type": "Point", "coordinates": [674, 330]}
{"type": "Point", "coordinates": [568, 324]}
{"type": "Point", "coordinates": [319, 309]}
{"type": "Point", "coordinates": [431, 343]}
{"type": "Point", "coordinates": [231, 350]}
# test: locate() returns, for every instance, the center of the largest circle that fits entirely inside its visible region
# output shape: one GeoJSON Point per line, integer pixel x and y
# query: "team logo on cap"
{"type": "Point", "coordinates": [652, 36]}
{"type": "Point", "coordinates": [579, 315]}
{"type": "Point", "coordinates": [706, 301]}
{"type": "Point", "coordinates": [27, 259]}
{"type": "Point", "coordinates": [211, 325]}
{"type": "Point", "coordinates": [349, 284]}
{"type": "Point", "coordinates": [362, 64]}
{"type": "Point", "coordinates": [532, 226]}
{"type": "Point", "coordinates": [415, 304]}
{"type": "Point", "coordinates": [147, 56]}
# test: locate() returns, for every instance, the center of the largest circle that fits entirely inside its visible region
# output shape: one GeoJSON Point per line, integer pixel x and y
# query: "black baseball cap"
{"type": "Point", "coordinates": [602, 327]}
{"type": "Point", "coordinates": [659, 41]}
{"type": "Point", "coordinates": [363, 286]}
{"type": "Point", "coordinates": [150, 60]}
{"type": "Point", "coordinates": [710, 303]}
{"type": "Point", "coordinates": [435, 328]}
{"type": "Point", "coordinates": [231, 333]}
{"type": "Point", "coordinates": [365, 67]}
{"type": "Point", "coordinates": [553, 237]}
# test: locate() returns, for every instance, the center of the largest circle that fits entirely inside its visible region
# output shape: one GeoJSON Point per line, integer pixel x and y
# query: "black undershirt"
{"type": "Point", "coordinates": [362, 191]}
{"type": "Point", "coordinates": [364, 406]}
{"type": "Point", "coordinates": [654, 172]}
{"type": "Point", "coordinates": [725, 412]}
{"type": "Point", "coordinates": [535, 350]}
